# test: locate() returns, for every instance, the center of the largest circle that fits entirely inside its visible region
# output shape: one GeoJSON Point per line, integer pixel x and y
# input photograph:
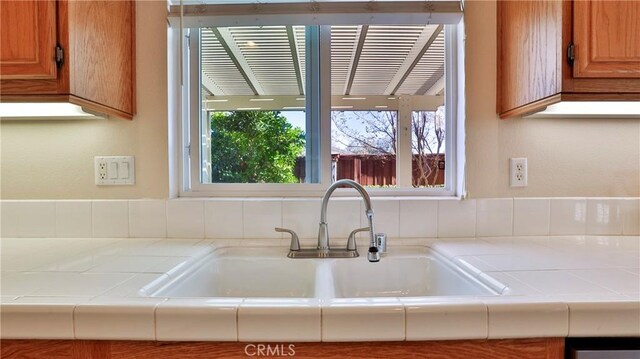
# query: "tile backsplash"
{"type": "Point", "coordinates": [256, 218]}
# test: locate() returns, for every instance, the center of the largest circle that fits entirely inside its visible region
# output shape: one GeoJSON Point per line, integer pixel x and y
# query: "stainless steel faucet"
{"type": "Point", "coordinates": [323, 231]}
{"type": "Point", "coordinates": [377, 241]}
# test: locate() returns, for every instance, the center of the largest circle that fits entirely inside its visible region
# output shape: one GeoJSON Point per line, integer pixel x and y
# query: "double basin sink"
{"type": "Point", "coordinates": [266, 272]}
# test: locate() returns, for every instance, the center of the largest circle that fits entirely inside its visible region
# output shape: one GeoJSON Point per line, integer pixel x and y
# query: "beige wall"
{"type": "Point", "coordinates": [566, 157]}
{"type": "Point", "coordinates": [52, 160]}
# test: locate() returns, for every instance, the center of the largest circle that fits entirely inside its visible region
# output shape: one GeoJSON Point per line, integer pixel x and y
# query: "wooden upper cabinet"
{"type": "Point", "coordinates": [27, 39]}
{"type": "Point", "coordinates": [555, 50]}
{"type": "Point", "coordinates": [97, 39]}
{"type": "Point", "coordinates": [606, 35]}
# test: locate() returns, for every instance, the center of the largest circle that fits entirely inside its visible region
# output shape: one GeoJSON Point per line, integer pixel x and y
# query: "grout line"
{"type": "Point", "coordinates": [398, 224]}
{"type": "Point", "coordinates": [475, 230]}
{"type": "Point", "coordinates": [548, 215]}
{"type": "Point", "coordinates": [55, 219]}
{"type": "Point", "coordinates": [166, 219]}
{"type": "Point", "coordinates": [437, 218]}
{"type": "Point", "coordinates": [568, 318]}
{"type": "Point", "coordinates": [93, 225]}
{"type": "Point", "coordinates": [155, 320]}
{"type": "Point", "coordinates": [486, 310]}
{"type": "Point", "coordinates": [238, 319]}
{"type": "Point", "coordinates": [321, 319]}
{"type": "Point", "coordinates": [129, 221]}
{"type": "Point", "coordinates": [204, 227]}
{"type": "Point", "coordinates": [404, 317]}
{"type": "Point", "coordinates": [73, 321]}
{"type": "Point", "coordinates": [513, 215]}
{"type": "Point", "coordinates": [91, 216]}
{"type": "Point", "coordinates": [281, 201]}
{"type": "Point", "coordinates": [242, 219]}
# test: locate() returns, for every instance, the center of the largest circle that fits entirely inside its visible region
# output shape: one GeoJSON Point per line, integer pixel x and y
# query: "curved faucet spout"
{"type": "Point", "coordinates": [323, 232]}
{"type": "Point", "coordinates": [345, 182]}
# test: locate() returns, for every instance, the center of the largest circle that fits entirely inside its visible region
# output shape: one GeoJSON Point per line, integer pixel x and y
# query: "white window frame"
{"type": "Point", "coordinates": [190, 150]}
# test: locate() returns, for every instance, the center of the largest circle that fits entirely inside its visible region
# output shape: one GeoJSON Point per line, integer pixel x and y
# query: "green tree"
{"type": "Point", "coordinates": [254, 147]}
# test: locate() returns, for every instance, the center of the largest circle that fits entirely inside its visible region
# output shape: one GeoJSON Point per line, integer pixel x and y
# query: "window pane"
{"type": "Point", "coordinates": [363, 146]}
{"type": "Point", "coordinates": [428, 132]}
{"type": "Point", "coordinates": [257, 147]}
{"type": "Point", "coordinates": [380, 76]}
{"type": "Point", "coordinates": [253, 123]}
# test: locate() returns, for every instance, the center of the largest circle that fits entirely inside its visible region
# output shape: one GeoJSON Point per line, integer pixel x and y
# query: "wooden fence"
{"type": "Point", "coordinates": [380, 170]}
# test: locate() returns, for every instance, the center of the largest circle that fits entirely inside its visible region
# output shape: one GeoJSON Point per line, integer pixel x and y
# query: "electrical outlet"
{"type": "Point", "coordinates": [114, 170]}
{"type": "Point", "coordinates": [102, 170]}
{"type": "Point", "coordinates": [518, 172]}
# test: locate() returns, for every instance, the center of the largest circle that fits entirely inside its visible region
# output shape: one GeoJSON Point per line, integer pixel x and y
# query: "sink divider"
{"type": "Point", "coordinates": [324, 286]}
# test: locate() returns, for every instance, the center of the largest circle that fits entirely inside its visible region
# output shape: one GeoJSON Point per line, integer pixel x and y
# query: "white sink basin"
{"type": "Point", "coordinates": [268, 273]}
{"type": "Point", "coordinates": [403, 276]}
{"type": "Point", "coordinates": [243, 273]}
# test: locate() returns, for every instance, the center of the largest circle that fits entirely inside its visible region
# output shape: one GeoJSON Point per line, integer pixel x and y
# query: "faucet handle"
{"type": "Point", "coordinates": [295, 242]}
{"type": "Point", "coordinates": [351, 242]}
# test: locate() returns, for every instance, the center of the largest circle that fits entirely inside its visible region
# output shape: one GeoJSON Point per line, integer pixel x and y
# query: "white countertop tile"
{"type": "Point", "coordinates": [37, 320]}
{"type": "Point", "coordinates": [621, 318]}
{"type": "Point", "coordinates": [445, 319]}
{"type": "Point", "coordinates": [116, 319]}
{"type": "Point", "coordinates": [557, 282]}
{"type": "Point", "coordinates": [364, 319]}
{"type": "Point", "coordinates": [197, 319]}
{"type": "Point", "coordinates": [127, 264]}
{"type": "Point", "coordinates": [618, 280]}
{"type": "Point", "coordinates": [527, 320]}
{"type": "Point", "coordinates": [77, 284]}
{"type": "Point", "coordinates": [169, 247]}
{"type": "Point", "coordinates": [291, 320]}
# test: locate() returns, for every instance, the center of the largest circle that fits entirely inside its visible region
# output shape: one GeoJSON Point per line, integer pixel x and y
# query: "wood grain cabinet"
{"type": "Point", "coordinates": [82, 52]}
{"type": "Point", "coordinates": [563, 50]}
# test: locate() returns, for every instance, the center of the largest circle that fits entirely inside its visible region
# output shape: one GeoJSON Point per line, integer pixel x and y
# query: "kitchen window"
{"type": "Point", "coordinates": [278, 105]}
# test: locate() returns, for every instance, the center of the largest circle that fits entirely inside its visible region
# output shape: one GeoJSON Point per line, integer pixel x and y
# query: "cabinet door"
{"type": "Point", "coordinates": [529, 53]}
{"type": "Point", "coordinates": [102, 42]}
{"type": "Point", "coordinates": [27, 39]}
{"type": "Point", "coordinates": [606, 35]}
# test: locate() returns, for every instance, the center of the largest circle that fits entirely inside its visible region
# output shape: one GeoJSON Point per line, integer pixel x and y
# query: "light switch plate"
{"type": "Point", "coordinates": [114, 170]}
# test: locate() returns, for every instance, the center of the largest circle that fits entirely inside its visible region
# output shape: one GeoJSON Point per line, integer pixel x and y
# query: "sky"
{"type": "Point", "coordinates": [296, 118]}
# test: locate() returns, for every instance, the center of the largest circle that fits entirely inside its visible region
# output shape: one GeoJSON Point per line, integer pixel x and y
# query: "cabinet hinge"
{"type": "Point", "coordinates": [59, 56]}
{"type": "Point", "coordinates": [571, 53]}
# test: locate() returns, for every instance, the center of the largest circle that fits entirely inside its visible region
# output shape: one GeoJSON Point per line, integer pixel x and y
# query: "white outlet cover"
{"type": "Point", "coordinates": [518, 173]}
{"type": "Point", "coordinates": [114, 170]}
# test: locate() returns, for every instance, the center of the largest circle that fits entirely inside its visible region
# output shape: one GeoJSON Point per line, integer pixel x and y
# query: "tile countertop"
{"type": "Point", "coordinates": [89, 289]}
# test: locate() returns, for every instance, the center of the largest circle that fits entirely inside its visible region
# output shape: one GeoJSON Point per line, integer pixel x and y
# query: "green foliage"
{"type": "Point", "coordinates": [254, 147]}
